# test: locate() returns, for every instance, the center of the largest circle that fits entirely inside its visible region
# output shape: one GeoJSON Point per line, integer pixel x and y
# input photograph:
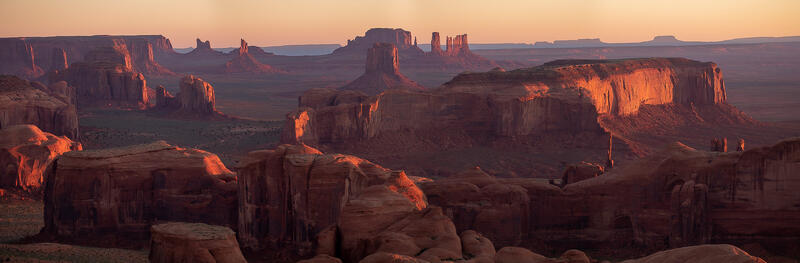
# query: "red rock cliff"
{"type": "Point", "coordinates": [18, 58]}
{"type": "Point", "coordinates": [22, 103]}
{"type": "Point", "coordinates": [25, 153]}
{"type": "Point", "coordinates": [196, 96]}
{"type": "Point", "coordinates": [115, 195]}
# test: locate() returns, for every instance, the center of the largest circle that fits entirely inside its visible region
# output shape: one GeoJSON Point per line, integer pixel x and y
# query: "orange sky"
{"type": "Point", "coordinates": [272, 22]}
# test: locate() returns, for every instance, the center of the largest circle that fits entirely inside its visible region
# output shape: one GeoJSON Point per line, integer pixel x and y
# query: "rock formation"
{"type": "Point", "coordinates": [107, 77]}
{"type": "Point", "coordinates": [740, 145]}
{"type": "Point", "coordinates": [196, 98]}
{"type": "Point", "coordinates": [559, 98]}
{"type": "Point", "coordinates": [581, 171]}
{"type": "Point", "coordinates": [382, 72]}
{"type": "Point", "coordinates": [398, 37]}
{"type": "Point", "coordinates": [115, 195]}
{"type": "Point", "coordinates": [193, 242]}
{"type": "Point", "coordinates": [719, 145]}
{"type": "Point", "coordinates": [18, 58]}
{"type": "Point", "coordinates": [59, 59]}
{"type": "Point", "coordinates": [700, 254]}
{"type": "Point", "coordinates": [676, 197]}
{"type": "Point", "coordinates": [292, 194]}
{"type": "Point", "coordinates": [28, 53]}
{"type": "Point", "coordinates": [203, 49]}
{"type": "Point", "coordinates": [22, 103]}
{"type": "Point", "coordinates": [245, 62]}
{"type": "Point", "coordinates": [436, 44]}
{"type": "Point", "coordinates": [25, 152]}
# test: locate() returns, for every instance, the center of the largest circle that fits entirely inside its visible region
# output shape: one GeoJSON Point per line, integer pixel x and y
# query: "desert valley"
{"type": "Point", "coordinates": [399, 146]}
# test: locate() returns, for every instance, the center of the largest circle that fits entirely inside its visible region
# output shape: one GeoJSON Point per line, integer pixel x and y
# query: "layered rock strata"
{"type": "Point", "coordinates": [193, 242]}
{"type": "Point", "coordinates": [22, 103]}
{"type": "Point", "coordinates": [120, 192]}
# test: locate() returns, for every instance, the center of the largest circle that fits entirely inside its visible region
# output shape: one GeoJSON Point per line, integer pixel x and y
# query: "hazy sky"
{"type": "Point", "coordinates": [272, 22]}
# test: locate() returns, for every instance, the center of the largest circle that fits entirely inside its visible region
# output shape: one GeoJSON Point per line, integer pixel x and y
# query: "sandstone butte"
{"type": "Point", "coordinates": [28, 56]}
{"type": "Point", "coordinates": [25, 153]}
{"type": "Point", "coordinates": [49, 108]}
{"type": "Point", "coordinates": [203, 49]}
{"type": "Point", "coordinates": [456, 55]}
{"type": "Point", "coordinates": [196, 98]}
{"type": "Point", "coordinates": [113, 196]}
{"type": "Point", "coordinates": [106, 77]}
{"type": "Point", "coordinates": [495, 107]}
{"type": "Point", "coordinates": [245, 62]}
{"type": "Point", "coordinates": [382, 72]}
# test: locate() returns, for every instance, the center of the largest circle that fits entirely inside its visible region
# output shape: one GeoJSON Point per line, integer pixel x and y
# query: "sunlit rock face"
{"type": "Point", "coordinates": [25, 153]}
{"type": "Point", "coordinates": [122, 191]}
{"type": "Point", "coordinates": [561, 96]}
{"type": "Point", "coordinates": [196, 96]}
{"type": "Point", "coordinates": [49, 108]}
{"type": "Point", "coordinates": [291, 194]}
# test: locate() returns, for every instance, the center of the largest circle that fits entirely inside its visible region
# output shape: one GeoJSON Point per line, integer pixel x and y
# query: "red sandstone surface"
{"type": "Point", "coordinates": [381, 72]}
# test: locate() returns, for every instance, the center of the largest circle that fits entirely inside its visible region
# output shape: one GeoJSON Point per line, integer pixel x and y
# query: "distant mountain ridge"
{"type": "Point", "coordinates": [659, 41]}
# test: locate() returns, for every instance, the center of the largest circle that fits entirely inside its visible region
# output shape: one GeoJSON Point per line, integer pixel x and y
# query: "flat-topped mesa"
{"type": "Point", "coordinates": [244, 62]}
{"type": "Point", "coordinates": [106, 77]}
{"type": "Point", "coordinates": [400, 38]}
{"type": "Point", "coordinates": [616, 87]}
{"type": "Point", "coordinates": [22, 103]}
{"type": "Point", "coordinates": [114, 195]}
{"type": "Point", "coordinates": [382, 72]}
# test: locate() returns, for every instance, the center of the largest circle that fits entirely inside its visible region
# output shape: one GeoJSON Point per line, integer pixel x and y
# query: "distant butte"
{"type": "Point", "coordinates": [245, 62]}
{"type": "Point", "coordinates": [382, 72]}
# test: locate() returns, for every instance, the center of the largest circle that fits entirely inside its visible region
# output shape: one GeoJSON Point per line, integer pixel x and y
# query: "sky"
{"type": "Point", "coordinates": [282, 22]}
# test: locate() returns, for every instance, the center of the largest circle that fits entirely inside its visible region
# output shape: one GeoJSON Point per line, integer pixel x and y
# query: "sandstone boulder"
{"type": "Point", "coordinates": [476, 245]}
{"type": "Point", "coordinates": [382, 72]}
{"type": "Point", "coordinates": [193, 242]}
{"type": "Point", "coordinates": [25, 153]}
{"type": "Point", "coordinates": [117, 194]}
{"type": "Point", "coordinates": [22, 103]}
{"type": "Point", "coordinates": [700, 254]}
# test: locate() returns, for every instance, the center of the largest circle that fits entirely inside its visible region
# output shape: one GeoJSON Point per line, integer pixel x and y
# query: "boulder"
{"type": "Point", "coordinates": [115, 195]}
{"type": "Point", "coordinates": [700, 254]}
{"type": "Point", "coordinates": [193, 242]}
{"type": "Point", "coordinates": [476, 245]}
{"type": "Point", "coordinates": [22, 103]}
{"type": "Point", "coordinates": [25, 153]}
{"type": "Point", "coordinates": [382, 72]}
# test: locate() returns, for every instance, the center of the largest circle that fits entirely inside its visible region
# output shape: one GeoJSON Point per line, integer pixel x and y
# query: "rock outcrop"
{"type": "Point", "coordinates": [193, 242]}
{"type": "Point", "coordinates": [22, 103]}
{"type": "Point", "coordinates": [673, 198]}
{"type": "Point", "coordinates": [245, 62]}
{"type": "Point", "coordinates": [398, 37]}
{"type": "Point", "coordinates": [25, 153]}
{"type": "Point", "coordinates": [436, 44]}
{"type": "Point", "coordinates": [203, 49]}
{"type": "Point", "coordinates": [562, 98]}
{"type": "Point", "coordinates": [107, 77]}
{"type": "Point", "coordinates": [382, 72]}
{"type": "Point", "coordinates": [196, 98]}
{"type": "Point", "coordinates": [59, 59]}
{"type": "Point", "coordinates": [700, 254]}
{"type": "Point", "coordinates": [26, 54]}
{"type": "Point", "coordinates": [115, 195]}
{"type": "Point", "coordinates": [296, 198]}
{"type": "Point", "coordinates": [581, 171]}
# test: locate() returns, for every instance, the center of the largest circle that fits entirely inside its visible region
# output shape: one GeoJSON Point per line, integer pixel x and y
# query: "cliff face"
{"type": "Point", "coordinates": [381, 72]}
{"type": "Point", "coordinates": [144, 50]}
{"type": "Point", "coordinates": [291, 197]}
{"type": "Point", "coordinates": [22, 103]}
{"type": "Point", "coordinates": [105, 194]}
{"type": "Point", "coordinates": [25, 153]}
{"type": "Point", "coordinates": [196, 96]}
{"type": "Point", "coordinates": [676, 197]}
{"type": "Point", "coordinates": [107, 77]}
